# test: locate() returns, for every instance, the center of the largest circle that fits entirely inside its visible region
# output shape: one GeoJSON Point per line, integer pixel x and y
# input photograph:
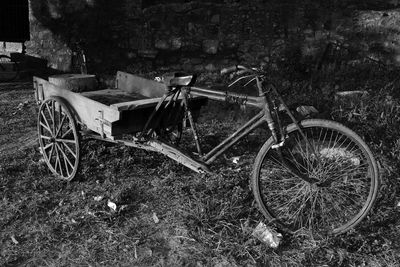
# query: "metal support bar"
{"type": "Point", "coordinates": [252, 124]}
{"type": "Point", "coordinates": [160, 102]}
{"type": "Point", "coordinates": [222, 96]}
{"type": "Point", "coordinates": [191, 120]}
{"type": "Point", "coordinates": [160, 147]}
{"type": "Point", "coordinates": [294, 121]}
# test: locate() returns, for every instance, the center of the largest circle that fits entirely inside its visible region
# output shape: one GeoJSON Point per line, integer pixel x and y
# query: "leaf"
{"type": "Point", "coordinates": [155, 218]}
{"type": "Point", "coordinates": [112, 205]}
{"type": "Point", "coordinates": [235, 160]}
{"type": "Point", "coordinates": [98, 198]}
{"type": "Point", "coordinates": [14, 240]}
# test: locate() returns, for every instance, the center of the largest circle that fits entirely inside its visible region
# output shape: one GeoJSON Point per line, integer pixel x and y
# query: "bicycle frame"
{"type": "Point", "coordinates": [263, 102]}
{"type": "Point", "coordinates": [263, 116]}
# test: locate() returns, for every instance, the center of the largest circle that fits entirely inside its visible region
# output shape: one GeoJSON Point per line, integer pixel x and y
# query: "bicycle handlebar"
{"type": "Point", "coordinates": [234, 69]}
{"type": "Point", "coordinates": [255, 74]}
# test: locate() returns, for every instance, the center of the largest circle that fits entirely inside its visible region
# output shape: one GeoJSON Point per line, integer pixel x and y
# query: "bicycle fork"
{"type": "Point", "coordinates": [279, 139]}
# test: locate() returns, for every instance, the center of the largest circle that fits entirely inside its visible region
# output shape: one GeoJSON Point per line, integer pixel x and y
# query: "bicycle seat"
{"type": "Point", "coordinates": [178, 79]}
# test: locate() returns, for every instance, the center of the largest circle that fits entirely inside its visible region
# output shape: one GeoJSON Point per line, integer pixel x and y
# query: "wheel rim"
{"type": "Point", "coordinates": [333, 204]}
{"type": "Point", "coordinates": [59, 139]}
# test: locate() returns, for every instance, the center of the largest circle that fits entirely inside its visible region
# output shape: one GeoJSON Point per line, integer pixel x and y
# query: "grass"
{"type": "Point", "coordinates": [167, 215]}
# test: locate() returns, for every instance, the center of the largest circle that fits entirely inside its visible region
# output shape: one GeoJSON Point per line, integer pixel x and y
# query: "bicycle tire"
{"type": "Point", "coordinates": [340, 199]}
{"type": "Point", "coordinates": [10, 75]}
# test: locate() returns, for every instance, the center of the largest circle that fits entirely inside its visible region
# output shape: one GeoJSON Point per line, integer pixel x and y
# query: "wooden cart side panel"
{"type": "Point", "coordinates": [135, 84]}
{"type": "Point", "coordinates": [133, 121]}
{"type": "Point", "coordinates": [94, 115]}
{"type": "Point", "coordinates": [137, 104]}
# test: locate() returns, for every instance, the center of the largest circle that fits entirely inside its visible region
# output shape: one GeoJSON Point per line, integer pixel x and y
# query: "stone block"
{"type": "Point", "coordinates": [162, 44]}
{"type": "Point", "coordinates": [210, 67]}
{"type": "Point", "coordinates": [215, 19]}
{"type": "Point", "coordinates": [196, 60]}
{"type": "Point", "coordinates": [187, 67]}
{"type": "Point", "coordinates": [11, 47]}
{"type": "Point", "coordinates": [198, 68]}
{"type": "Point", "coordinates": [176, 43]}
{"type": "Point", "coordinates": [210, 46]}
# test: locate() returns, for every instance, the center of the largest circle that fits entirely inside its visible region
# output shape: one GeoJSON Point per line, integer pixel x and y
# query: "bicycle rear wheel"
{"type": "Point", "coordinates": [8, 69]}
{"type": "Point", "coordinates": [342, 166]}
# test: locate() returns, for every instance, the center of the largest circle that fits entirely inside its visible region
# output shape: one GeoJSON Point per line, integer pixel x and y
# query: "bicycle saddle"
{"type": "Point", "coordinates": [178, 79]}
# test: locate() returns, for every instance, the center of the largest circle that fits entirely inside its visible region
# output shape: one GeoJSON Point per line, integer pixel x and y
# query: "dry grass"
{"type": "Point", "coordinates": [169, 216]}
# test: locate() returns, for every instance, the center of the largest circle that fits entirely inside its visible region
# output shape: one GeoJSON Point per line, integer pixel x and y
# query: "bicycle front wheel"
{"type": "Point", "coordinates": [342, 178]}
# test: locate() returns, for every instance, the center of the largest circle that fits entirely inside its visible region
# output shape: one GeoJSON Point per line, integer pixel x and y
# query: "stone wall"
{"type": "Point", "coordinates": [200, 36]}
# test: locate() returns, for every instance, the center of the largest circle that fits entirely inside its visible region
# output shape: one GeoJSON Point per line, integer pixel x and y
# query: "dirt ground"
{"type": "Point", "coordinates": [18, 106]}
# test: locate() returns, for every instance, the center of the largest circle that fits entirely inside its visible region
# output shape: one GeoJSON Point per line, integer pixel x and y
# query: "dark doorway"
{"type": "Point", "coordinates": [14, 20]}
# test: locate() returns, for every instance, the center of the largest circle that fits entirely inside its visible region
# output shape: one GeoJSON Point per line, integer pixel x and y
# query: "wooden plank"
{"type": "Point", "coordinates": [134, 120]}
{"type": "Point", "coordinates": [135, 84]}
{"type": "Point", "coordinates": [75, 82]}
{"type": "Point", "coordinates": [137, 104]}
{"type": "Point", "coordinates": [86, 110]}
{"type": "Point", "coordinates": [151, 102]}
{"type": "Point", "coordinates": [112, 96]}
{"type": "Point", "coordinates": [148, 88]}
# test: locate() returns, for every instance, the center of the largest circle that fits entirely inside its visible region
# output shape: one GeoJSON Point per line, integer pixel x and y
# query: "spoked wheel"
{"type": "Point", "coordinates": [59, 139]}
{"type": "Point", "coordinates": [8, 69]}
{"type": "Point", "coordinates": [342, 173]}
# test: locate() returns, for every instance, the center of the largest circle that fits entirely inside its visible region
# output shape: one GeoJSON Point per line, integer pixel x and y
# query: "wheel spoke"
{"type": "Point", "coordinates": [46, 121]}
{"type": "Point", "coordinates": [49, 112]}
{"type": "Point", "coordinates": [53, 115]}
{"type": "Point", "coordinates": [45, 127]}
{"type": "Point", "coordinates": [51, 152]}
{"type": "Point", "coordinates": [65, 140]}
{"type": "Point", "coordinates": [65, 156]}
{"type": "Point", "coordinates": [59, 163]}
{"type": "Point", "coordinates": [66, 133]}
{"type": "Point", "coordinates": [47, 146]}
{"type": "Point", "coordinates": [45, 137]}
{"type": "Point", "coordinates": [61, 125]}
{"type": "Point", "coordinates": [66, 160]}
{"type": "Point", "coordinates": [69, 149]}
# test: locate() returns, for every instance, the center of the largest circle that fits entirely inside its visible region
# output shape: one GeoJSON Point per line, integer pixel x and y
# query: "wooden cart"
{"type": "Point", "coordinates": [68, 111]}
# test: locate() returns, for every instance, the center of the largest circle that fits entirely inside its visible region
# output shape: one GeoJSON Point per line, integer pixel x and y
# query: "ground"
{"type": "Point", "coordinates": [167, 215]}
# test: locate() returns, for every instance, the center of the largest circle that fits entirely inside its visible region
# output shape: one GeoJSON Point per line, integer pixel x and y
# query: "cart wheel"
{"type": "Point", "coordinates": [59, 139]}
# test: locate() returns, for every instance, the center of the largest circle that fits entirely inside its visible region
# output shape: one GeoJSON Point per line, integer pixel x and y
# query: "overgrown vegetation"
{"type": "Point", "coordinates": [165, 214]}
